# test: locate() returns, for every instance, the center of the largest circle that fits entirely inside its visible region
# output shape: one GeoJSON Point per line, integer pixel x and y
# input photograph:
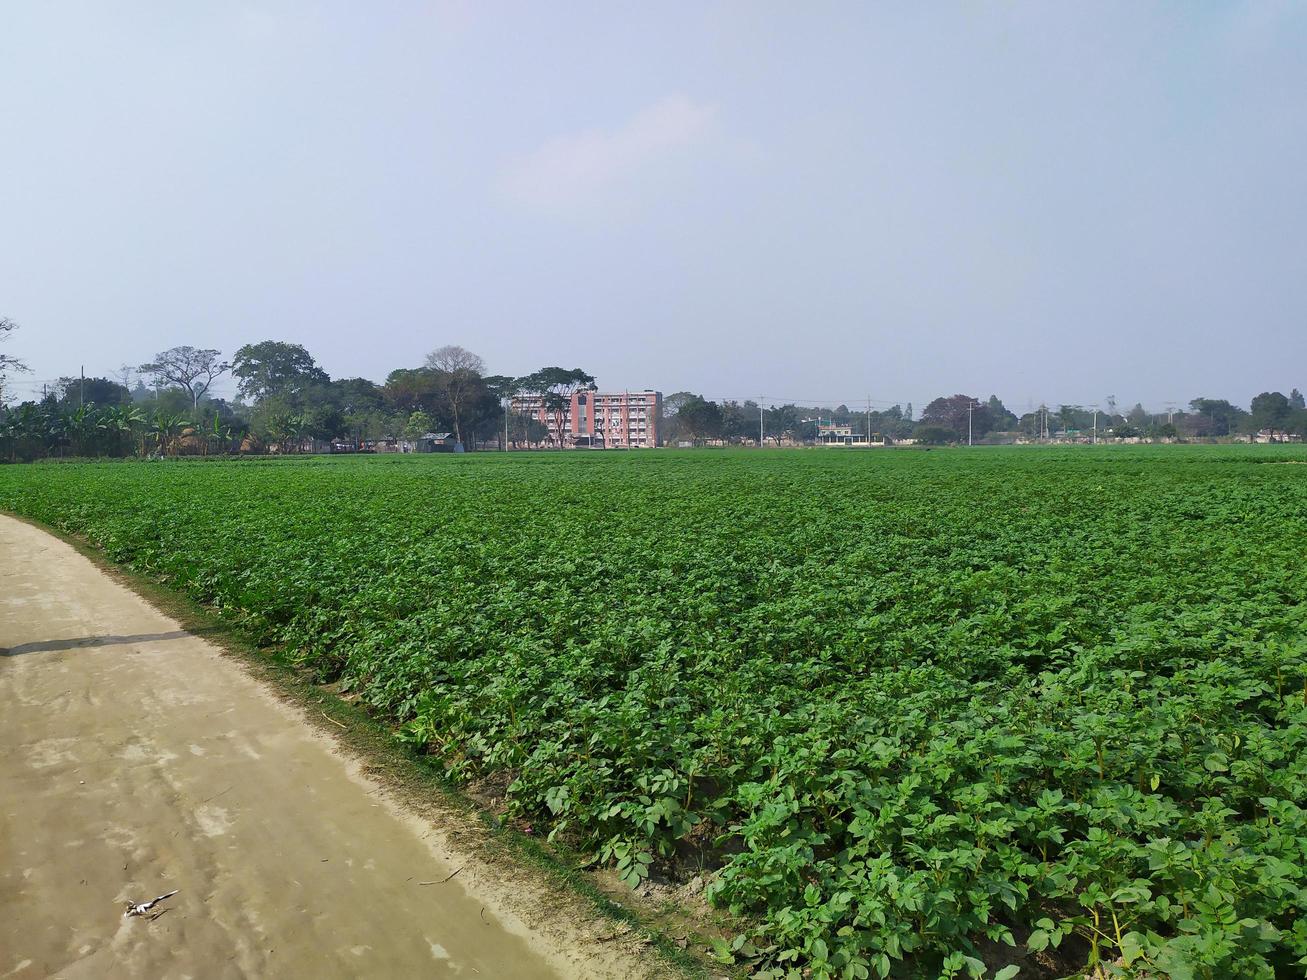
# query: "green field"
{"type": "Point", "coordinates": [921, 713]}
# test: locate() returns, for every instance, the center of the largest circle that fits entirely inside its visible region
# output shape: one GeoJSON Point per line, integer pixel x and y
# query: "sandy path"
{"type": "Point", "coordinates": [135, 759]}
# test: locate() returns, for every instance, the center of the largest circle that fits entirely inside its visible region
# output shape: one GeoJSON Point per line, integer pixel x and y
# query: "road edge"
{"type": "Point", "coordinates": [417, 789]}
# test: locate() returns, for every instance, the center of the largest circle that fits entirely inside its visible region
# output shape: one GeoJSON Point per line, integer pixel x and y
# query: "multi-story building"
{"type": "Point", "coordinates": [597, 419]}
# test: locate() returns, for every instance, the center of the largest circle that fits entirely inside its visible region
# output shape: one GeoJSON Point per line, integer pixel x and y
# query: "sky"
{"type": "Point", "coordinates": [819, 202]}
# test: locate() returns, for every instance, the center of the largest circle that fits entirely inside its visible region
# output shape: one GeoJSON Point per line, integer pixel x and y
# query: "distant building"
{"type": "Point", "coordinates": [843, 434]}
{"type": "Point", "coordinates": [1276, 435]}
{"type": "Point", "coordinates": [433, 442]}
{"type": "Point", "coordinates": [599, 420]}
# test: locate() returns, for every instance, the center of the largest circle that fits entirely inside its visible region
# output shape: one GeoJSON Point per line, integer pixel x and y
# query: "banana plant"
{"type": "Point", "coordinates": [166, 429]}
{"type": "Point", "coordinates": [217, 434]}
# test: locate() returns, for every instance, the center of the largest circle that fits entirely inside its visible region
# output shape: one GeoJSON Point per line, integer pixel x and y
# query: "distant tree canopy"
{"type": "Point", "coordinates": [700, 420]}
{"type": "Point", "coordinates": [1270, 410]}
{"type": "Point", "coordinates": [91, 391]}
{"type": "Point", "coordinates": [192, 369]}
{"type": "Point", "coordinates": [458, 377]}
{"type": "Point", "coordinates": [289, 402]}
{"type": "Point", "coordinates": [933, 435]}
{"type": "Point", "coordinates": [274, 368]}
{"type": "Point", "coordinates": [7, 361]}
{"type": "Point", "coordinates": [555, 386]}
{"type": "Point", "coordinates": [955, 413]}
{"type": "Point", "coordinates": [1221, 418]}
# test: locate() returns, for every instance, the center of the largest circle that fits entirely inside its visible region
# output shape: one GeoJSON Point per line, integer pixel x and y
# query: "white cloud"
{"type": "Point", "coordinates": [580, 170]}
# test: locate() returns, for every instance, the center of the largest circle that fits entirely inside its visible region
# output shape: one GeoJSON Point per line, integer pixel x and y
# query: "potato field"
{"type": "Point", "coordinates": [1002, 712]}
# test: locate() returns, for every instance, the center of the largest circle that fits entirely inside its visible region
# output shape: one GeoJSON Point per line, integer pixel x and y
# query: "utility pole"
{"type": "Point", "coordinates": [81, 398]}
{"type": "Point", "coordinates": [760, 435]}
{"type": "Point", "coordinates": [970, 402]}
{"type": "Point", "coordinates": [868, 421]}
{"type": "Point", "coordinates": [1095, 439]}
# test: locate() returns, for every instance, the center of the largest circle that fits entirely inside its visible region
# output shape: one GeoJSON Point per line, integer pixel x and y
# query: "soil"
{"type": "Point", "coordinates": [137, 758]}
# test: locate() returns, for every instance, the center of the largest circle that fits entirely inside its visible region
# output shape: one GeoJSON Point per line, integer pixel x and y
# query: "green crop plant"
{"type": "Point", "coordinates": [1001, 713]}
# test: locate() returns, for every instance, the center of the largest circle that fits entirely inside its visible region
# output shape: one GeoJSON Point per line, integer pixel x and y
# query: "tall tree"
{"type": "Point", "coordinates": [951, 414]}
{"type": "Point", "coordinates": [700, 419]}
{"type": "Point", "coordinates": [91, 391]}
{"type": "Point", "coordinates": [1222, 417]}
{"type": "Point", "coordinates": [555, 386]}
{"type": "Point", "coordinates": [191, 368]}
{"type": "Point", "coordinates": [999, 416]}
{"type": "Point", "coordinates": [458, 373]}
{"type": "Point", "coordinates": [7, 361]}
{"type": "Point", "coordinates": [1270, 410]}
{"type": "Point", "coordinates": [1296, 400]}
{"type": "Point", "coordinates": [501, 388]}
{"type": "Point", "coordinates": [409, 389]}
{"type": "Point", "coordinates": [275, 368]}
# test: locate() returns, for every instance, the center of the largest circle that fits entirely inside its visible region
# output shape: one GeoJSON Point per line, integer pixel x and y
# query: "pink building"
{"type": "Point", "coordinates": [601, 420]}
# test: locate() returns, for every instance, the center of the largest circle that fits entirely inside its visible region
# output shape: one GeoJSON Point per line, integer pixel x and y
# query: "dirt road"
{"type": "Point", "coordinates": [136, 759]}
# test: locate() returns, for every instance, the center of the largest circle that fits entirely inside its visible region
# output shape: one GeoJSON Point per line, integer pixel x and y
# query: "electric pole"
{"type": "Point", "coordinates": [760, 435]}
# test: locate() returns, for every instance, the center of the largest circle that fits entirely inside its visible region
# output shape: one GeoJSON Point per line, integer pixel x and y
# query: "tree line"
{"type": "Point", "coordinates": [962, 418]}
{"type": "Point", "coordinates": [287, 403]}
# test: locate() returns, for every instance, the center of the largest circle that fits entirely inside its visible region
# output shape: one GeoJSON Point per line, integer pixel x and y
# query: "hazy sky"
{"type": "Point", "coordinates": [1049, 201]}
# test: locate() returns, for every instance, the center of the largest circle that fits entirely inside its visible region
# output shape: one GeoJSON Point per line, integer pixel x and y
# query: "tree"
{"type": "Point", "coordinates": [951, 414]}
{"type": "Point", "coordinates": [699, 419]}
{"type": "Point", "coordinates": [458, 373]}
{"type": "Point", "coordinates": [91, 391]}
{"type": "Point", "coordinates": [1270, 410]}
{"type": "Point", "coordinates": [1222, 417]}
{"type": "Point", "coordinates": [500, 388]}
{"type": "Point", "coordinates": [275, 368]}
{"type": "Point", "coordinates": [783, 420]}
{"type": "Point", "coordinates": [524, 428]}
{"type": "Point", "coordinates": [556, 386]}
{"type": "Point", "coordinates": [7, 361]}
{"type": "Point", "coordinates": [1000, 418]}
{"type": "Point", "coordinates": [353, 407]}
{"type": "Point", "coordinates": [409, 389]}
{"type": "Point", "coordinates": [739, 422]}
{"type": "Point", "coordinates": [673, 402]}
{"type": "Point", "coordinates": [1296, 400]}
{"type": "Point", "coordinates": [933, 435]}
{"type": "Point", "coordinates": [418, 425]}
{"type": "Point", "coordinates": [190, 368]}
